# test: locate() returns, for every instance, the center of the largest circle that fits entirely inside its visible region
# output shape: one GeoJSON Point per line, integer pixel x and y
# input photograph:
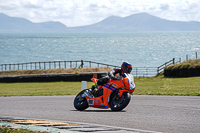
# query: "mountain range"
{"type": "Point", "coordinates": [14, 24]}
{"type": "Point", "coordinates": [134, 23]}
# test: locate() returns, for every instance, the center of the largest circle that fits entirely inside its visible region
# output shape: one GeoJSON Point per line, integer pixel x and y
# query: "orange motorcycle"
{"type": "Point", "coordinates": [115, 94]}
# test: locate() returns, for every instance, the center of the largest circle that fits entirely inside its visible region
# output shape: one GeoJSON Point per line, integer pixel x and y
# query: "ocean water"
{"type": "Point", "coordinates": [148, 49]}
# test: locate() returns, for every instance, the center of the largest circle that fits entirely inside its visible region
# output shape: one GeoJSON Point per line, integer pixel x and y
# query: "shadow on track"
{"type": "Point", "coordinates": [98, 111]}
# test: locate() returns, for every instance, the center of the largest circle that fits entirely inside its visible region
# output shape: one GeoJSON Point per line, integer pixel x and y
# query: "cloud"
{"type": "Point", "coordinates": [85, 12]}
{"type": "Point", "coordinates": [164, 6]}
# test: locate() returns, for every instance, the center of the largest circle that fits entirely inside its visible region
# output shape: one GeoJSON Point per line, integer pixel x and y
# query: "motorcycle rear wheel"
{"type": "Point", "coordinates": [80, 103]}
{"type": "Point", "coordinates": [119, 103]}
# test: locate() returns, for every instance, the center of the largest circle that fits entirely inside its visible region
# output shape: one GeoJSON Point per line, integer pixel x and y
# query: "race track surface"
{"type": "Point", "coordinates": [170, 114]}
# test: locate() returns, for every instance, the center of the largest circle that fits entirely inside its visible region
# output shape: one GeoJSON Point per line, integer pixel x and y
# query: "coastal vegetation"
{"type": "Point", "coordinates": [185, 69]}
{"type": "Point", "coordinates": [55, 71]}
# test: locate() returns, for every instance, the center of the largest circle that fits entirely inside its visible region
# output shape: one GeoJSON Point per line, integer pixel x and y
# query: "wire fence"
{"type": "Point", "coordinates": [144, 71]}
{"type": "Point", "coordinates": [137, 71]}
{"type": "Point", "coordinates": [52, 65]}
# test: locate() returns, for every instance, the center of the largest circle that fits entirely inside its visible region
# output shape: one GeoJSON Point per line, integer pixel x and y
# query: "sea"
{"type": "Point", "coordinates": [141, 49]}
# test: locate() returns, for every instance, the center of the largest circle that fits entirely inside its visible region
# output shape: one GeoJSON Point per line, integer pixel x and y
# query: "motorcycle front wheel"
{"type": "Point", "coordinates": [119, 103]}
{"type": "Point", "coordinates": [80, 103]}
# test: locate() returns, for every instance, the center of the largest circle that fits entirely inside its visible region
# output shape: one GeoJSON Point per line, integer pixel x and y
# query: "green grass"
{"type": "Point", "coordinates": [37, 89]}
{"type": "Point", "coordinates": [168, 86]}
{"type": "Point", "coordinates": [144, 86]}
{"type": "Point", "coordinates": [11, 130]}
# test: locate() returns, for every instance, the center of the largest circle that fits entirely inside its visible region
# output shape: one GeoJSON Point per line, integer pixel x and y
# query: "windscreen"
{"type": "Point", "coordinates": [131, 81]}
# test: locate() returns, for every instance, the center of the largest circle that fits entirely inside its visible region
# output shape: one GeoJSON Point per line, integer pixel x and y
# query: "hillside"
{"type": "Point", "coordinates": [185, 69]}
{"type": "Point", "coordinates": [137, 23]}
{"type": "Point", "coordinates": [14, 24]}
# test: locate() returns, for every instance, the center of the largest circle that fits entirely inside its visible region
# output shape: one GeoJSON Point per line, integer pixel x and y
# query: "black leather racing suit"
{"type": "Point", "coordinates": [115, 74]}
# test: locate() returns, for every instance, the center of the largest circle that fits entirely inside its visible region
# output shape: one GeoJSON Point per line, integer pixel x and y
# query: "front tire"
{"type": "Point", "coordinates": [80, 103]}
{"type": "Point", "coordinates": [119, 103]}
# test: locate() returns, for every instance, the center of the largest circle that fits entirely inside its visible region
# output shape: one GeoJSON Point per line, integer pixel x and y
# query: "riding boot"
{"type": "Point", "coordinates": [93, 87]}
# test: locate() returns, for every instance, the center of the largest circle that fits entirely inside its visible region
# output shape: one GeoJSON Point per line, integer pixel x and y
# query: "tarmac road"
{"type": "Point", "coordinates": [171, 114]}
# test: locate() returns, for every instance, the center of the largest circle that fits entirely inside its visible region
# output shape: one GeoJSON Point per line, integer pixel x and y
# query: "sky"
{"type": "Point", "coordinates": [74, 13]}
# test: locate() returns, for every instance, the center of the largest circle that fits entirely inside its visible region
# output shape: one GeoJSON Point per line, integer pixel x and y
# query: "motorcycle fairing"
{"type": "Point", "coordinates": [111, 87]}
{"type": "Point", "coordinates": [94, 80]}
{"type": "Point", "coordinates": [103, 101]}
{"type": "Point", "coordinates": [108, 89]}
{"type": "Point", "coordinates": [98, 102]}
{"type": "Point", "coordinates": [129, 84]}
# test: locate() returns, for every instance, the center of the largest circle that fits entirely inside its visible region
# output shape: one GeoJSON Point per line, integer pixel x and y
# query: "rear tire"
{"type": "Point", "coordinates": [119, 103]}
{"type": "Point", "coordinates": [80, 103]}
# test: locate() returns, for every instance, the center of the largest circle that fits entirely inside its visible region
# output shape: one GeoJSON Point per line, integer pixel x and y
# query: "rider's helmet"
{"type": "Point", "coordinates": [126, 67]}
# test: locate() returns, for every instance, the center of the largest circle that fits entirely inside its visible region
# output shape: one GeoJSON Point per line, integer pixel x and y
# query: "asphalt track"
{"type": "Point", "coordinates": [171, 114]}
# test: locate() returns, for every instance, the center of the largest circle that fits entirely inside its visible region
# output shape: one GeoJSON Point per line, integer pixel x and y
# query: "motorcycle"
{"type": "Point", "coordinates": [115, 94]}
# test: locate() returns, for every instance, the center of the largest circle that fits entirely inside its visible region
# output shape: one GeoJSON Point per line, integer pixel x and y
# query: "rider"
{"type": "Point", "coordinates": [115, 74]}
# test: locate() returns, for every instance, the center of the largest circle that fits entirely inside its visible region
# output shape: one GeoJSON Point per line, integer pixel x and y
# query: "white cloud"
{"type": "Point", "coordinates": [84, 12]}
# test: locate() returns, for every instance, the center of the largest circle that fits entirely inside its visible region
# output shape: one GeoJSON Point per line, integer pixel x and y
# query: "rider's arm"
{"type": "Point", "coordinates": [112, 73]}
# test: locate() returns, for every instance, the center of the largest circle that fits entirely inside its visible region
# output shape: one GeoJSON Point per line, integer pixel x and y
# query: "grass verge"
{"type": "Point", "coordinates": [11, 130]}
{"type": "Point", "coordinates": [144, 86]}
{"type": "Point", "coordinates": [168, 86]}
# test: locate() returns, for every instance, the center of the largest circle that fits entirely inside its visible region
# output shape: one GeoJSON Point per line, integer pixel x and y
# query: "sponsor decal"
{"type": "Point", "coordinates": [97, 102]}
{"type": "Point", "coordinates": [114, 85]}
{"type": "Point", "coordinates": [91, 101]}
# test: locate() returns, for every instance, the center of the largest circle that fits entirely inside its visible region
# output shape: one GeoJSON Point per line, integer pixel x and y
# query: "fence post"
{"type": "Point", "coordinates": [54, 64]}
{"type": "Point", "coordinates": [49, 65]}
{"type": "Point", "coordinates": [35, 65]}
{"type": "Point", "coordinates": [59, 64]}
{"type": "Point", "coordinates": [44, 65]}
{"type": "Point", "coordinates": [147, 71]}
{"type": "Point", "coordinates": [70, 64]}
{"type": "Point", "coordinates": [39, 66]}
{"type": "Point", "coordinates": [136, 72]}
{"type": "Point", "coordinates": [157, 70]}
{"type": "Point", "coordinates": [196, 55]}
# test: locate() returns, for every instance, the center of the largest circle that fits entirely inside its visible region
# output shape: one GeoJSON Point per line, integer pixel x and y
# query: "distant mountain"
{"type": "Point", "coordinates": [133, 23]}
{"type": "Point", "coordinates": [14, 24]}
{"type": "Point", "coordinates": [139, 22]}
